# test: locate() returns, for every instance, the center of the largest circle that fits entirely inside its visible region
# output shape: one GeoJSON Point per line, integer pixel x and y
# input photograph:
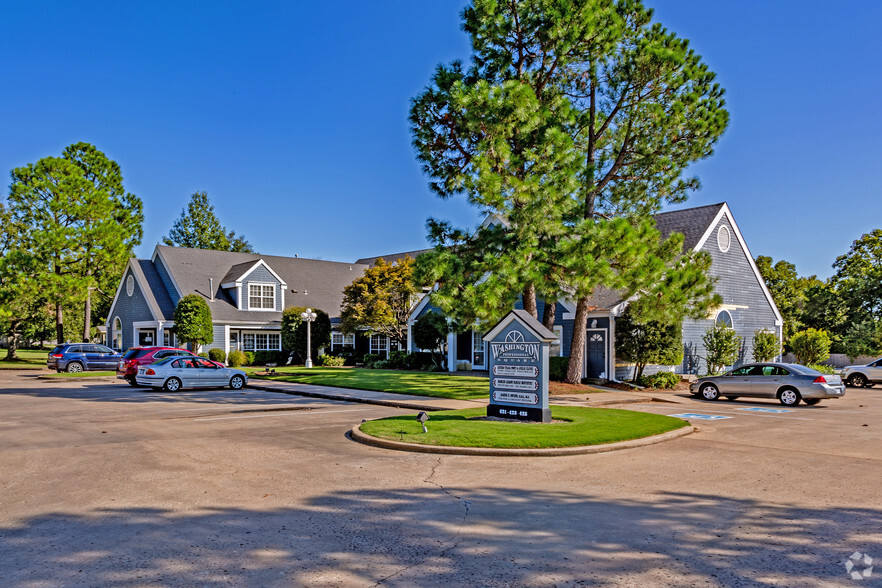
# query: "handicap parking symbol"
{"type": "Point", "coordinates": [759, 409]}
{"type": "Point", "coordinates": [700, 417]}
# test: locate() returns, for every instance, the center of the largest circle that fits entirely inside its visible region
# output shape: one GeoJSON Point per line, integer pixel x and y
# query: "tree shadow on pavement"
{"type": "Point", "coordinates": [446, 537]}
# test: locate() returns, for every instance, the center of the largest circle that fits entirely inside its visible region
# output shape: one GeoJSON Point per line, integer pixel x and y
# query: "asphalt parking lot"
{"type": "Point", "coordinates": [105, 485]}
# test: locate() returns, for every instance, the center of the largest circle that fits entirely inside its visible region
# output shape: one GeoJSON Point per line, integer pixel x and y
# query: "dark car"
{"type": "Point", "coordinates": [80, 357]}
{"type": "Point", "coordinates": [127, 367]}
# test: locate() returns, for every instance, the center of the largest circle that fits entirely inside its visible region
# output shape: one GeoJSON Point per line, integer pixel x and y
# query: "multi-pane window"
{"type": "Point", "coordinates": [477, 348]}
{"type": "Point", "coordinates": [260, 341]}
{"type": "Point", "coordinates": [339, 340]}
{"type": "Point", "coordinates": [261, 296]}
{"type": "Point", "coordinates": [379, 345]}
{"type": "Point", "coordinates": [554, 350]}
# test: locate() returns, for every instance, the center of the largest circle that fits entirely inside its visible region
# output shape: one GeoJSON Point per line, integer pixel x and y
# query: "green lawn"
{"type": "Point", "coordinates": [436, 384]}
{"type": "Point", "coordinates": [583, 426]}
{"type": "Point", "coordinates": [28, 359]}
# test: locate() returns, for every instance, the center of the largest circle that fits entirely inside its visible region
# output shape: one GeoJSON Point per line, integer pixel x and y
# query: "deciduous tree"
{"type": "Point", "coordinates": [722, 345]}
{"type": "Point", "coordinates": [766, 346]}
{"type": "Point", "coordinates": [650, 342]}
{"type": "Point", "coordinates": [294, 331]}
{"type": "Point", "coordinates": [380, 301]}
{"type": "Point", "coordinates": [810, 346]}
{"type": "Point", "coordinates": [193, 321]}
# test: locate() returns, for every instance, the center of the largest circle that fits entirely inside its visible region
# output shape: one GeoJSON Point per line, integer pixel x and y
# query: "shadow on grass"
{"type": "Point", "coordinates": [445, 537]}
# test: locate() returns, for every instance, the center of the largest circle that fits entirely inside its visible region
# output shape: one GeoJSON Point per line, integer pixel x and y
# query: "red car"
{"type": "Point", "coordinates": [127, 368]}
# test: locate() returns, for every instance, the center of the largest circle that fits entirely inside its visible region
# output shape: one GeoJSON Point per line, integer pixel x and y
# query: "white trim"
{"type": "Point", "coordinates": [570, 309]}
{"type": "Point", "coordinates": [507, 320]}
{"type": "Point", "coordinates": [241, 278]}
{"type": "Point", "coordinates": [492, 219]}
{"type": "Point", "coordinates": [262, 284]}
{"type": "Point", "coordinates": [424, 301]}
{"type": "Point", "coordinates": [724, 211]}
{"type": "Point", "coordinates": [119, 290]}
{"type": "Point", "coordinates": [165, 264]}
{"type": "Point", "coordinates": [451, 352]}
{"type": "Point", "coordinates": [605, 351]}
{"type": "Point", "coordinates": [239, 297]}
{"type": "Point", "coordinates": [226, 340]}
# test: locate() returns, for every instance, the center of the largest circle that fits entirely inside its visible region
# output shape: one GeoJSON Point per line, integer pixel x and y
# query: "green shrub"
{"type": "Point", "coordinates": [236, 358]}
{"type": "Point", "coordinates": [661, 380]}
{"type": "Point", "coordinates": [203, 354]}
{"type": "Point", "coordinates": [398, 360]}
{"type": "Point", "coordinates": [249, 358]}
{"type": "Point", "coordinates": [810, 346]}
{"type": "Point", "coordinates": [722, 344]}
{"type": "Point", "coordinates": [370, 359]}
{"type": "Point", "coordinates": [766, 346]}
{"type": "Point", "coordinates": [420, 360]}
{"type": "Point", "coordinates": [216, 355]}
{"type": "Point", "coordinates": [381, 364]}
{"type": "Point", "coordinates": [823, 368]}
{"type": "Point", "coordinates": [270, 356]}
{"type": "Point", "coordinates": [331, 360]}
{"type": "Point", "coordinates": [557, 368]}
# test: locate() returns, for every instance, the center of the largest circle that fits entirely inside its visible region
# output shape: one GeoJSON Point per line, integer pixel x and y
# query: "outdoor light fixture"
{"type": "Point", "coordinates": [422, 418]}
{"type": "Point", "coordinates": [308, 316]}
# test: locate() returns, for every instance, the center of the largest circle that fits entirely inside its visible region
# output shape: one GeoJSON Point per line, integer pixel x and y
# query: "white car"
{"type": "Point", "coordinates": [174, 373]}
{"type": "Point", "coordinates": [861, 376]}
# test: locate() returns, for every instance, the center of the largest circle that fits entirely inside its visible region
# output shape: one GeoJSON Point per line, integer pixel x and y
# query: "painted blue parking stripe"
{"type": "Point", "coordinates": [758, 409]}
{"type": "Point", "coordinates": [701, 417]}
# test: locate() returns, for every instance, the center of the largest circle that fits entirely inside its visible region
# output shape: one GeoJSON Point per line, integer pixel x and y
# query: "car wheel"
{"type": "Point", "coordinates": [730, 398]}
{"type": "Point", "coordinates": [789, 397]}
{"type": "Point", "coordinates": [237, 382]}
{"type": "Point", "coordinates": [857, 380]}
{"type": "Point", "coordinates": [74, 367]}
{"type": "Point", "coordinates": [811, 401]}
{"type": "Point", "coordinates": [172, 385]}
{"type": "Point", "coordinates": [710, 392]}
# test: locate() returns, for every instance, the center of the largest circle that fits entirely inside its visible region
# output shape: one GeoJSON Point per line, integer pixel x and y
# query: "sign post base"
{"type": "Point", "coordinates": [521, 413]}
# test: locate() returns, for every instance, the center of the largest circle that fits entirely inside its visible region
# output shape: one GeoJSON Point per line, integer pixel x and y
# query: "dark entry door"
{"type": "Point", "coordinates": [596, 354]}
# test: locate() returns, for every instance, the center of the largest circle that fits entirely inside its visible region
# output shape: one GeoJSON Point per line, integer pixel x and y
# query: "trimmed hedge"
{"type": "Point", "coordinates": [557, 368]}
{"type": "Point", "coordinates": [216, 354]}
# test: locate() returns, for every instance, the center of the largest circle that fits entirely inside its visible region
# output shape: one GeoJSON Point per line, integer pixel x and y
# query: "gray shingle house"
{"type": "Point", "coordinates": [747, 304]}
{"type": "Point", "coordinates": [246, 293]}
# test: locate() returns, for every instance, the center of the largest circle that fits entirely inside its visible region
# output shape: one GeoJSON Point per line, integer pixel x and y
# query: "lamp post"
{"type": "Point", "coordinates": [308, 316]}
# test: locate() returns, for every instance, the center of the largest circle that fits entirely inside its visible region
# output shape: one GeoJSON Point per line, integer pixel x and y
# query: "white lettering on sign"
{"type": "Point", "coordinates": [515, 384]}
{"type": "Point", "coordinates": [523, 371]}
{"type": "Point", "coordinates": [519, 397]}
{"type": "Point", "coordinates": [515, 347]}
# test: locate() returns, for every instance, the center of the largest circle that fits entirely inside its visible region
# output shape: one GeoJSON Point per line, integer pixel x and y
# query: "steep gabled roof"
{"type": "Point", "coordinates": [154, 290]}
{"type": "Point", "coordinates": [310, 282]}
{"type": "Point", "coordinates": [693, 223]}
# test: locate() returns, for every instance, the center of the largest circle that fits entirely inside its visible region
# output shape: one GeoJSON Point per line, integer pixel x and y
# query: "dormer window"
{"type": "Point", "coordinates": [261, 297]}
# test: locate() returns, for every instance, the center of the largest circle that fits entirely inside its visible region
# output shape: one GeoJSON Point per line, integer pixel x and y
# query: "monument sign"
{"type": "Point", "coordinates": [519, 368]}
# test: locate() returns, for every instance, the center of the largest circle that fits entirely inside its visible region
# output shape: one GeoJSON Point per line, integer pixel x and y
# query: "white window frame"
{"type": "Point", "coordinates": [478, 343]}
{"type": "Point", "coordinates": [731, 324]}
{"type": "Point", "coordinates": [262, 295]}
{"type": "Point", "coordinates": [557, 330]}
{"type": "Point", "coordinates": [341, 340]}
{"type": "Point", "coordinates": [376, 349]}
{"type": "Point", "coordinates": [261, 341]}
{"type": "Point", "coordinates": [117, 335]}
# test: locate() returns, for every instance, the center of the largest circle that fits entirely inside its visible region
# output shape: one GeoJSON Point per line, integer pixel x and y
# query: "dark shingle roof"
{"type": "Point", "coordinates": [691, 222]}
{"type": "Point", "coordinates": [155, 293]}
{"type": "Point", "coordinates": [318, 284]}
{"type": "Point", "coordinates": [392, 257]}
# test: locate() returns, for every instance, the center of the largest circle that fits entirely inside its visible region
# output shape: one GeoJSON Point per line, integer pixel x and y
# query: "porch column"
{"type": "Point", "coordinates": [451, 352]}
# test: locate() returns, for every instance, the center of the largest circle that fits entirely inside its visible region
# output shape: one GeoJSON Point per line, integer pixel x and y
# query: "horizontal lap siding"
{"type": "Point", "coordinates": [129, 309]}
{"type": "Point", "coordinates": [217, 341]}
{"type": "Point", "coordinates": [738, 285]}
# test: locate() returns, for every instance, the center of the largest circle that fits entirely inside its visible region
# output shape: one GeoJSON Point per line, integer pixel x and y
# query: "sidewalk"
{"type": "Point", "coordinates": [606, 398]}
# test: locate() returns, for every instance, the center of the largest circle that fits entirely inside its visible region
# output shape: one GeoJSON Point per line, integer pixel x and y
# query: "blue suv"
{"type": "Point", "coordinates": [79, 357]}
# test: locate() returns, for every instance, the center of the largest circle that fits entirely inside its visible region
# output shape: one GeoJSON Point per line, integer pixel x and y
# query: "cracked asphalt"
{"type": "Point", "coordinates": [106, 485]}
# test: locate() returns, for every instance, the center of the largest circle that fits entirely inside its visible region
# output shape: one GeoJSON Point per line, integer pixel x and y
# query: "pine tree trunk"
{"type": "Point", "coordinates": [87, 326]}
{"type": "Point", "coordinates": [530, 300]}
{"type": "Point", "coordinates": [548, 314]}
{"type": "Point", "coordinates": [577, 349]}
{"type": "Point", "coordinates": [59, 324]}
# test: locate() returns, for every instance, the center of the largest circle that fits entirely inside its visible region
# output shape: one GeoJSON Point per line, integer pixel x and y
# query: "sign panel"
{"type": "Point", "coordinates": [521, 371]}
{"type": "Point", "coordinates": [518, 356]}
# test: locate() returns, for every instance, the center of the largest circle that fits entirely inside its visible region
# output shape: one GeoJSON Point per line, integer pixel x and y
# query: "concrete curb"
{"type": "Point", "coordinates": [341, 398]}
{"type": "Point", "coordinates": [357, 435]}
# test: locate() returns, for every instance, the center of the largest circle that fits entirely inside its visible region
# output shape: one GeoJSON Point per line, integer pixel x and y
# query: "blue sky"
{"type": "Point", "coordinates": [293, 115]}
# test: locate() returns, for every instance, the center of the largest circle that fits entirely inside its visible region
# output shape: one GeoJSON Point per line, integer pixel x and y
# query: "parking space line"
{"type": "Point", "coordinates": [281, 413]}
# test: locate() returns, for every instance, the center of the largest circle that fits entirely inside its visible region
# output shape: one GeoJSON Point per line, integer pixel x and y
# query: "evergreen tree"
{"type": "Point", "coordinates": [193, 321]}
{"type": "Point", "coordinates": [574, 124]}
{"type": "Point", "coordinates": [430, 332]}
{"type": "Point", "coordinates": [650, 342]}
{"type": "Point", "coordinates": [198, 227]}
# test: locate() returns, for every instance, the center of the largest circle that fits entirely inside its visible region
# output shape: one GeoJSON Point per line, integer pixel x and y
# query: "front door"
{"type": "Point", "coordinates": [596, 355]}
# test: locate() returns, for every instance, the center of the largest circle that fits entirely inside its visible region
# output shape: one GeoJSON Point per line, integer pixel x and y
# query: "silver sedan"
{"type": "Point", "coordinates": [174, 373]}
{"type": "Point", "coordinates": [788, 382]}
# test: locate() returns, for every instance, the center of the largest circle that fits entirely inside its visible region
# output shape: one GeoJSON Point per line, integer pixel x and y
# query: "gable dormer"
{"type": "Point", "coordinates": [254, 285]}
